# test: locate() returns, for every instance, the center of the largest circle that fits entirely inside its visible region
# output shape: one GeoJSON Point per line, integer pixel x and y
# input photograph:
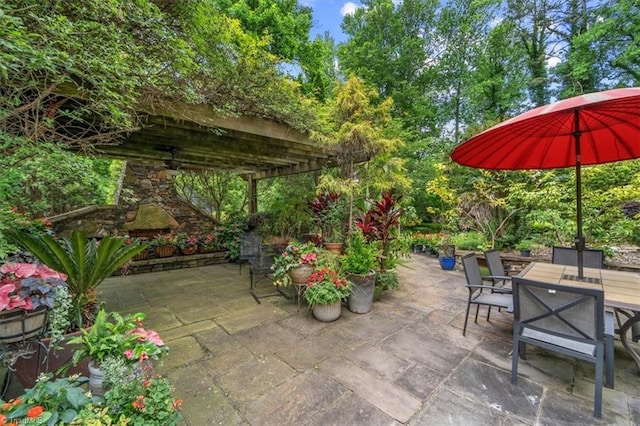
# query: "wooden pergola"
{"type": "Point", "coordinates": [186, 136]}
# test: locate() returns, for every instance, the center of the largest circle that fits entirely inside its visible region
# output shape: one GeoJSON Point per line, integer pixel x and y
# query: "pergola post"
{"type": "Point", "coordinates": [252, 191]}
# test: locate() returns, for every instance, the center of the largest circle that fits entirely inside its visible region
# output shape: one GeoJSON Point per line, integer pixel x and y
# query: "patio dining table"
{"type": "Point", "coordinates": [621, 291]}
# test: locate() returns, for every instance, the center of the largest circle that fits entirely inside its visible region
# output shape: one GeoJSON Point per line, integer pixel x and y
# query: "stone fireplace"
{"type": "Point", "coordinates": [148, 205]}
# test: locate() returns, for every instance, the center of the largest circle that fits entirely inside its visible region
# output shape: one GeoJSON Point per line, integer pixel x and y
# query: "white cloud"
{"type": "Point", "coordinates": [348, 8]}
{"type": "Point", "coordinates": [307, 3]}
{"type": "Point", "coordinates": [552, 61]}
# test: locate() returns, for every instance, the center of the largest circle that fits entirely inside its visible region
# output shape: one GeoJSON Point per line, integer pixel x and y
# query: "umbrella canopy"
{"type": "Point", "coordinates": [588, 129]}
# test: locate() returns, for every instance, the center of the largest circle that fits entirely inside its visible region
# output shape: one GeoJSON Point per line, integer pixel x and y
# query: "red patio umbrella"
{"type": "Point", "coordinates": [588, 129]}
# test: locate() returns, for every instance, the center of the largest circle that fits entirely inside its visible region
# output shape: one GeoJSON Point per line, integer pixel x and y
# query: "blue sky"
{"type": "Point", "coordinates": [328, 14]}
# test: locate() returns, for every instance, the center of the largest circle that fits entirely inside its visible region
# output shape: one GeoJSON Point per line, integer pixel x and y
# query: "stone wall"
{"type": "Point", "coordinates": [143, 186]}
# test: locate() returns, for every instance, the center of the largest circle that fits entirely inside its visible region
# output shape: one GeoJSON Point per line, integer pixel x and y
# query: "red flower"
{"type": "Point", "coordinates": [139, 404]}
{"type": "Point", "coordinates": [35, 412]}
{"type": "Point", "coordinates": [177, 404]}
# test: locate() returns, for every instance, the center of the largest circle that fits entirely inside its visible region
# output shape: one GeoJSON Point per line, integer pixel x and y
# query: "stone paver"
{"type": "Point", "coordinates": [236, 362]}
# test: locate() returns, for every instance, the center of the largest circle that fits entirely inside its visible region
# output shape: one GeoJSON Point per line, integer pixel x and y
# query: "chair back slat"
{"type": "Point", "coordinates": [569, 256]}
{"type": "Point", "coordinates": [494, 262]}
{"type": "Point", "coordinates": [250, 246]}
{"type": "Point", "coordinates": [472, 269]}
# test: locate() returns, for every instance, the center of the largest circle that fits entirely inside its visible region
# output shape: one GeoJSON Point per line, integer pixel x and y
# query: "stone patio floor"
{"type": "Point", "coordinates": [236, 362]}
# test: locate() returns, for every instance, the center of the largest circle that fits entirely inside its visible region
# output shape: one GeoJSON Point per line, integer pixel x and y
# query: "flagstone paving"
{"type": "Point", "coordinates": [236, 362]}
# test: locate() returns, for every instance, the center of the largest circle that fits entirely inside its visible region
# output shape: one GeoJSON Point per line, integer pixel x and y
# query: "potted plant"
{"type": "Point", "coordinates": [163, 245]}
{"type": "Point", "coordinates": [525, 247]}
{"type": "Point", "coordinates": [185, 243]}
{"type": "Point", "coordinates": [358, 263]}
{"type": "Point", "coordinates": [27, 292]}
{"type": "Point", "coordinates": [380, 224]}
{"type": "Point", "coordinates": [294, 264]}
{"type": "Point", "coordinates": [140, 395]}
{"type": "Point", "coordinates": [329, 215]}
{"type": "Point", "coordinates": [209, 243]}
{"type": "Point", "coordinates": [135, 241]}
{"type": "Point", "coordinates": [86, 264]}
{"type": "Point", "coordinates": [325, 292]}
{"type": "Point", "coordinates": [50, 402]}
{"type": "Point", "coordinates": [115, 336]}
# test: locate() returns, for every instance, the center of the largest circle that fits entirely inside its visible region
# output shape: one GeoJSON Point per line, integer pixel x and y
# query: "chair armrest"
{"type": "Point", "coordinates": [488, 287]}
{"type": "Point", "coordinates": [497, 277]}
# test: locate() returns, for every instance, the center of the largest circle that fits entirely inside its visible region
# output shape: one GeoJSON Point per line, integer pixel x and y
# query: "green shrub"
{"type": "Point", "coordinates": [469, 241]}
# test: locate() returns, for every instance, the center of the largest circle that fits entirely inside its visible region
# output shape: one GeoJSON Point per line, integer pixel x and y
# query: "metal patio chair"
{"type": "Point", "coordinates": [500, 278]}
{"type": "Point", "coordinates": [591, 258]}
{"type": "Point", "coordinates": [479, 293]}
{"type": "Point", "coordinates": [567, 320]}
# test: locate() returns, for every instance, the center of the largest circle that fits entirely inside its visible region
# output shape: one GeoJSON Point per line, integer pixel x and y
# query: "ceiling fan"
{"type": "Point", "coordinates": [172, 163]}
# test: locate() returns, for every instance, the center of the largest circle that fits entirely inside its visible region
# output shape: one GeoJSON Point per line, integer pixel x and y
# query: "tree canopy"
{"type": "Point", "coordinates": [416, 77]}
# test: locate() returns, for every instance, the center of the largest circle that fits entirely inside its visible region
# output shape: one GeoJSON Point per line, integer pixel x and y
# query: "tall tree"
{"type": "Point", "coordinates": [577, 71]}
{"type": "Point", "coordinates": [499, 77]}
{"type": "Point", "coordinates": [461, 26]}
{"type": "Point", "coordinates": [389, 48]}
{"type": "Point", "coordinates": [533, 20]}
{"type": "Point", "coordinates": [612, 41]}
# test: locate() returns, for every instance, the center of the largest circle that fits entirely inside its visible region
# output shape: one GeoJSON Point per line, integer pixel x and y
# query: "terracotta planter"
{"type": "Point", "coordinates": [327, 313]}
{"type": "Point", "coordinates": [164, 251]}
{"type": "Point", "coordinates": [17, 324]}
{"type": "Point", "coordinates": [334, 247]}
{"type": "Point", "coordinates": [300, 274]}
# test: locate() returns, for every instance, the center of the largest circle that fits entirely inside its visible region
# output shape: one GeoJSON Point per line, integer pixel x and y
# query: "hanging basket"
{"type": "Point", "coordinates": [19, 325]}
{"type": "Point", "coordinates": [142, 255]}
{"type": "Point", "coordinates": [164, 251]}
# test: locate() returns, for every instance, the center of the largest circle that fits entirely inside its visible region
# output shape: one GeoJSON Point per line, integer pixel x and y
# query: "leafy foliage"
{"type": "Point", "coordinates": [86, 262]}
{"type": "Point", "coordinates": [326, 286]}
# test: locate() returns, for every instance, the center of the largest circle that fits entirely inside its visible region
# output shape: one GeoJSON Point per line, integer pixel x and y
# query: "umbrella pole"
{"type": "Point", "coordinates": [579, 241]}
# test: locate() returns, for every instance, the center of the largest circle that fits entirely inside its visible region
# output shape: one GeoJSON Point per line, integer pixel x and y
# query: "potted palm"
{"type": "Point", "coordinates": [86, 264]}
{"type": "Point", "coordinates": [358, 263]}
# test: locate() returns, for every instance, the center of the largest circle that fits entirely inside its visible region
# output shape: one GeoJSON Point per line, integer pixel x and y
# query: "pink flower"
{"type": "Point", "coordinates": [4, 295]}
{"type": "Point", "coordinates": [128, 354]}
{"type": "Point", "coordinates": [45, 272]}
{"type": "Point", "coordinates": [148, 335]}
{"type": "Point", "coordinates": [309, 258]}
{"type": "Point", "coordinates": [20, 270]}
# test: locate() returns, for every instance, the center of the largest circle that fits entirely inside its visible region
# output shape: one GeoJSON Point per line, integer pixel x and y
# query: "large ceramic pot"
{"type": "Point", "coordinates": [327, 313]}
{"type": "Point", "coordinates": [18, 324]}
{"type": "Point", "coordinates": [447, 263]}
{"type": "Point", "coordinates": [361, 297]}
